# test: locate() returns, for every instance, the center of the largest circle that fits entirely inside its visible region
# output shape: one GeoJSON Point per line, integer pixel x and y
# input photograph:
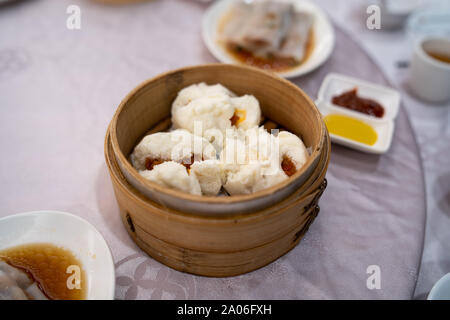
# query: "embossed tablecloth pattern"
{"type": "Point", "coordinates": [59, 89]}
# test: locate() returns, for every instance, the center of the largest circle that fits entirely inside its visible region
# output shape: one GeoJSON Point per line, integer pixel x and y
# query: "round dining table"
{"type": "Point", "coordinates": [59, 87]}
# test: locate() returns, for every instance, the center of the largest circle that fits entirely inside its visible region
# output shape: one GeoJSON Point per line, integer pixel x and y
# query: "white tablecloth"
{"type": "Point", "coordinates": [59, 89]}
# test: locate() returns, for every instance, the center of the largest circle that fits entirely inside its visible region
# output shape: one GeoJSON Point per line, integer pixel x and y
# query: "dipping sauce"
{"type": "Point", "coordinates": [47, 265]}
{"type": "Point", "coordinates": [351, 128]}
{"type": "Point", "coordinates": [352, 101]}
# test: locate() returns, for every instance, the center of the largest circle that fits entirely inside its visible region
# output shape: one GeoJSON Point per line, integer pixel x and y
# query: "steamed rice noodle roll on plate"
{"type": "Point", "coordinates": [15, 284]}
{"type": "Point", "coordinates": [288, 37]}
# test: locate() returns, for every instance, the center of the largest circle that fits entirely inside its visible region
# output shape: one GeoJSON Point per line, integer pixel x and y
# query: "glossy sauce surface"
{"type": "Point", "coordinates": [47, 265]}
{"type": "Point", "coordinates": [351, 128]}
{"type": "Point", "coordinates": [352, 101]}
{"type": "Point", "coordinates": [288, 166]}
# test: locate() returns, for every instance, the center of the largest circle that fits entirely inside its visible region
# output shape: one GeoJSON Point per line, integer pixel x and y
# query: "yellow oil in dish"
{"type": "Point", "coordinates": [351, 128]}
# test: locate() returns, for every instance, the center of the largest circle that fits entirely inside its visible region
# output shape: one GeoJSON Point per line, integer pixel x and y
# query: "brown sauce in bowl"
{"type": "Point", "coordinates": [47, 265]}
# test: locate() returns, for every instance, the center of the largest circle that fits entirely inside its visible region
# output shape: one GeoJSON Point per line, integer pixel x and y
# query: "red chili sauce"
{"type": "Point", "coordinates": [352, 101]}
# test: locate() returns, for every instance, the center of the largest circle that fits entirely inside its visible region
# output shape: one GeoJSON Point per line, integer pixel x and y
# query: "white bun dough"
{"type": "Point", "coordinates": [292, 146]}
{"type": "Point", "coordinates": [173, 149]}
{"type": "Point", "coordinates": [178, 145]}
{"type": "Point", "coordinates": [173, 175]}
{"type": "Point", "coordinates": [253, 160]}
{"type": "Point", "coordinates": [210, 175]}
{"type": "Point", "coordinates": [216, 108]}
{"type": "Point", "coordinates": [248, 110]}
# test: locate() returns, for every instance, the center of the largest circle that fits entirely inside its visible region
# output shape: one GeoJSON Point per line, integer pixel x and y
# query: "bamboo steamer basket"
{"type": "Point", "coordinates": [206, 242]}
{"type": "Point", "coordinates": [217, 246]}
{"type": "Point", "coordinates": [148, 106]}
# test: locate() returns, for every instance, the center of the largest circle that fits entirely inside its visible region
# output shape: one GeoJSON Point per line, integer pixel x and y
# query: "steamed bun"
{"type": "Point", "coordinates": [199, 102]}
{"type": "Point", "coordinates": [216, 108]}
{"type": "Point", "coordinates": [256, 160]}
{"type": "Point", "coordinates": [210, 175]}
{"type": "Point", "coordinates": [177, 145]}
{"type": "Point", "coordinates": [173, 175]}
{"type": "Point", "coordinates": [292, 147]}
{"type": "Point", "coordinates": [179, 160]}
{"type": "Point", "coordinates": [246, 111]}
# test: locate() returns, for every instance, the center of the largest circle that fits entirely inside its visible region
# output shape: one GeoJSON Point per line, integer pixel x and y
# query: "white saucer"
{"type": "Point", "coordinates": [323, 31]}
{"type": "Point", "coordinates": [441, 290]}
{"type": "Point", "coordinates": [70, 232]}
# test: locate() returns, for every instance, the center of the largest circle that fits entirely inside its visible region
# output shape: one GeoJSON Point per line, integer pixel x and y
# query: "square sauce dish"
{"type": "Point", "coordinates": [358, 114]}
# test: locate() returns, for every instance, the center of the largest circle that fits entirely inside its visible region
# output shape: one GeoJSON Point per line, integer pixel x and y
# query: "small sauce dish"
{"type": "Point", "coordinates": [335, 85]}
{"type": "Point", "coordinates": [441, 290]}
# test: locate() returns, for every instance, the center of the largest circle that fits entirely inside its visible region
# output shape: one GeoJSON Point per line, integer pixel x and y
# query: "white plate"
{"type": "Point", "coordinates": [384, 130]}
{"type": "Point", "coordinates": [335, 84]}
{"type": "Point", "coordinates": [70, 232]}
{"type": "Point", "coordinates": [441, 290]}
{"type": "Point", "coordinates": [323, 31]}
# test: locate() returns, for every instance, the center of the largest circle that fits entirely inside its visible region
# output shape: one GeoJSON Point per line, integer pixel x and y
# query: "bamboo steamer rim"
{"type": "Point", "coordinates": [122, 159]}
{"type": "Point", "coordinates": [277, 209]}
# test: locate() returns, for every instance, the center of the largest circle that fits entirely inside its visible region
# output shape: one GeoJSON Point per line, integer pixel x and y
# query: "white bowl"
{"type": "Point", "coordinates": [441, 290]}
{"type": "Point", "coordinates": [72, 233]}
{"type": "Point", "coordinates": [323, 32]}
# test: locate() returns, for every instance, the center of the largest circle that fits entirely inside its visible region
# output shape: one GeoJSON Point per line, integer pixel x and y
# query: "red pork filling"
{"type": "Point", "coordinates": [288, 166]}
{"type": "Point", "coordinates": [151, 163]}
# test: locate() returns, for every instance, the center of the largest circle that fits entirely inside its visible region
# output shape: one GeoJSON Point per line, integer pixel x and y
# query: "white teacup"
{"type": "Point", "coordinates": [430, 77]}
